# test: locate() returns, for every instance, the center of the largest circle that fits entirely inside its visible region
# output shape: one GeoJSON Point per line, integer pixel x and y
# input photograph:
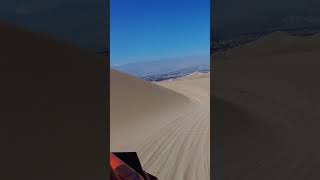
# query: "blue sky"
{"type": "Point", "coordinates": [146, 30]}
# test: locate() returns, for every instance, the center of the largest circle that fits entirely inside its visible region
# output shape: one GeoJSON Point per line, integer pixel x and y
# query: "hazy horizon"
{"type": "Point", "coordinates": [161, 59]}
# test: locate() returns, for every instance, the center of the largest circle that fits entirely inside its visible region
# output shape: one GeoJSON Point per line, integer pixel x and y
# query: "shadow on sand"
{"type": "Point", "coordinates": [242, 147]}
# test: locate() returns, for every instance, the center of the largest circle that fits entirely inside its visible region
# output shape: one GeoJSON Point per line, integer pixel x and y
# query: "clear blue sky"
{"type": "Point", "coordinates": [144, 30]}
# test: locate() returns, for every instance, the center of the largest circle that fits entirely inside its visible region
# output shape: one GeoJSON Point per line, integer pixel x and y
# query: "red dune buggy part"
{"type": "Point", "coordinates": [121, 171]}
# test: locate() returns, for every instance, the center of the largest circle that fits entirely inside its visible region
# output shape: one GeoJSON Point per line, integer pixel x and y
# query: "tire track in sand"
{"type": "Point", "coordinates": [181, 149]}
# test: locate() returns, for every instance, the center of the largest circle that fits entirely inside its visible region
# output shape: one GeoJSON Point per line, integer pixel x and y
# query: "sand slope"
{"type": "Point", "coordinates": [267, 111]}
{"type": "Point", "coordinates": [168, 127]}
{"type": "Point", "coordinates": [134, 104]}
{"type": "Point", "coordinates": [52, 110]}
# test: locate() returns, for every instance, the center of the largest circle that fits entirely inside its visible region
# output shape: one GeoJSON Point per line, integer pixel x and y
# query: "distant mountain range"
{"type": "Point", "coordinates": [175, 74]}
{"type": "Point", "coordinates": [166, 68]}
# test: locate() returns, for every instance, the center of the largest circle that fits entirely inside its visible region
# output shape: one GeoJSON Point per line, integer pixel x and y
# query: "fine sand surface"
{"type": "Point", "coordinates": [267, 110]}
{"type": "Point", "coordinates": [166, 123]}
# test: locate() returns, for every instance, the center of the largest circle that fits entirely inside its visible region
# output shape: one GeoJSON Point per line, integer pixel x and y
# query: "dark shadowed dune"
{"type": "Point", "coordinates": [53, 108]}
{"type": "Point", "coordinates": [276, 43]}
{"type": "Point", "coordinates": [266, 113]}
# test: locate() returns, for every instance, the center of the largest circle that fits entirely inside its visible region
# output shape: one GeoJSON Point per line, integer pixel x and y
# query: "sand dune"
{"type": "Point", "coordinates": [166, 123]}
{"type": "Point", "coordinates": [133, 104]}
{"type": "Point", "coordinates": [52, 108]}
{"type": "Point", "coordinates": [267, 111]}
